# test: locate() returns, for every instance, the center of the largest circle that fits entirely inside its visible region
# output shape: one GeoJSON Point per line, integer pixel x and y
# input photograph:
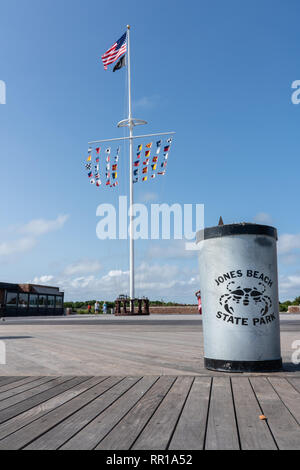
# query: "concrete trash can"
{"type": "Point", "coordinates": [239, 291]}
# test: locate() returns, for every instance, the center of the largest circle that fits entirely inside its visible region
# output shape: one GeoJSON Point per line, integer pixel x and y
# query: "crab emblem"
{"type": "Point", "coordinates": [245, 296]}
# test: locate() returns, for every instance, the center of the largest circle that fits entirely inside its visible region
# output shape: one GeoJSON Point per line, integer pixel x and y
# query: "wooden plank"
{"type": "Point", "coordinates": [124, 434]}
{"type": "Point", "coordinates": [295, 382]}
{"type": "Point", "coordinates": [7, 380]}
{"type": "Point", "coordinates": [190, 430]}
{"type": "Point", "coordinates": [81, 430]}
{"type": "Point", "coordinates": [283, 425]}
{"type": "Point", "coordinates": [23, 387]}
{"type": "Point", "coordinates": [32, 431]}
{"type": "Point", "coordinates": [288, 394]}
{"type": "Point", "coordinates": [222, 431]}
{"type": "Point", "coordinates": [16, 383]}
{"type": "Point", "coordinates": [157, 434]}
{"type": "Point", "coordinates": [26, 400]}
{"type": "Point", "coordinates": [254, 433]}
{"type": "Point", "coordinates": [56, 397]}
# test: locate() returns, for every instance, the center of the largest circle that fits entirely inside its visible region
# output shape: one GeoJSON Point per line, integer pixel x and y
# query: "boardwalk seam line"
{"type": "Point", "coordinates": [175, 378]}
{"type": "Point", "coordinates": [59, 422]}
{"type": "Point", "coordinates": [180, 413]}
{"type": "Point", "coordinates": [283, 402]}
{"type": "Point", "coordinates": [27, 390]}
{"type": "Point", "coordinates": [208, 411]}
{"type": "Point", "coordinates": [128, 410]}
{"type": "Point", "coordinates": [291, 383]}
{"type": "Point", "coordinates": [235, 415]}
{"type": "Point", "coordinates": [100, 411]}
{"type": "Point", "coordinates": [55, 396]}
{"type": "Point", "coordinates": [261, 408]}
{"type": "Point", "coordinates": [26, 399]}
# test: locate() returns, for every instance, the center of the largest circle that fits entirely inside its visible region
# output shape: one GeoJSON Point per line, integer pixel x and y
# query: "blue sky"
{"type": "Point", "coordinates": [218, 73]}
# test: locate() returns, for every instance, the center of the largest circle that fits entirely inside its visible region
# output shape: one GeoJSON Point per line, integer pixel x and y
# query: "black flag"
{"type": "Point", "coordinates": [121, 63]}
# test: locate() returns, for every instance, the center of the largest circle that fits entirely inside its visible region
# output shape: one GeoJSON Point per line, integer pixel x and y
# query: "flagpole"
{"type": "Point", "coordinates": [130, 123]}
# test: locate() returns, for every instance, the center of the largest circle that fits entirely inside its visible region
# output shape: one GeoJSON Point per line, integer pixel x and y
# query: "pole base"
{"type": "Point", "coordinates": [222, 365]}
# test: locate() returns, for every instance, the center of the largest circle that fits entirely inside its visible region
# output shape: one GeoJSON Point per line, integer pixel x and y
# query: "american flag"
{"type": "Point", "coordinates": [119, 48]}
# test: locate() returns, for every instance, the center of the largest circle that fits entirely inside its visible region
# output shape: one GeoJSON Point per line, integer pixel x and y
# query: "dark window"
{"type": "Point", "coordinates": [51, 301]}
{"type": "Point", "coordinates": [33, 300]}
{"type": "Point", "coordinates": [23, 301]}
{"type": "Point", "coordinates": [43, 301]}
{"type": "Point", "coordinates": [58, 301]}
{"type": "Point", "coordinates": [11, 299]}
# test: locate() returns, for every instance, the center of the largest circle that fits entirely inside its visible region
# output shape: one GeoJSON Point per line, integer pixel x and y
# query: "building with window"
{"type": "Point", "coordinates": [30, 299]}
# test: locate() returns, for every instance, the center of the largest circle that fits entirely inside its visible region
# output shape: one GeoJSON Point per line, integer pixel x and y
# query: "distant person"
{"type": "Point", "coordinates": [2, 312]}
{"type": "Point", "coordinates": [89, 308]}
{"type": "Point", "coordinates": [198, 295]}
{"type": "Point", "coordinates": [97, 307]}
{"type": "Point", "coordinates": [104, 308]}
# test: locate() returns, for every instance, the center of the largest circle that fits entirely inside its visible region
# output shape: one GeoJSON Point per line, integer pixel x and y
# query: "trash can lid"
{"type": "Point", "coordinates": [244, 228]}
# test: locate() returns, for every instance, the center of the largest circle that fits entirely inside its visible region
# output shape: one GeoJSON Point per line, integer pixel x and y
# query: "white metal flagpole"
{"type": "Point", "coordinates": [130, 124]}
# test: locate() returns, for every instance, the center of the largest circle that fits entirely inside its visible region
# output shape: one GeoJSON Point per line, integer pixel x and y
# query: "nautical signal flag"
{"type": "Point", "coordinates": [93, 162]}
{"type": "Point", "coordinates": [156, 168]}
{"type": "Point", "coordinates": [115, 51]}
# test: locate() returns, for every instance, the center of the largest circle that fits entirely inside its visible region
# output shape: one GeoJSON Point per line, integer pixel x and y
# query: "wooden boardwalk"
{"type": "Point", "coordinates": [150, 412]}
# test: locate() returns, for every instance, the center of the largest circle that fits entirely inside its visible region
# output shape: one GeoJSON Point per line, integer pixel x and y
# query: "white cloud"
{"type": "Point", "coordinates": [288, 242]}
{"type": "Point", "coordinates": [17, 246]}
{"type": "Point", "coordinates": [147, 102]}
{"type": "Point", "coordinates": [42, 280]}
{"type": "Point", "coordinates": [83, 266]}
{"type": "Point", "coordinates": [39, 227]}
{"type": "Point", "coordinates": [155, 281]}
{"type": "Point", "coordinates": [32, 230]}
{"type": "Point", "coordinates": [262, 218]}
